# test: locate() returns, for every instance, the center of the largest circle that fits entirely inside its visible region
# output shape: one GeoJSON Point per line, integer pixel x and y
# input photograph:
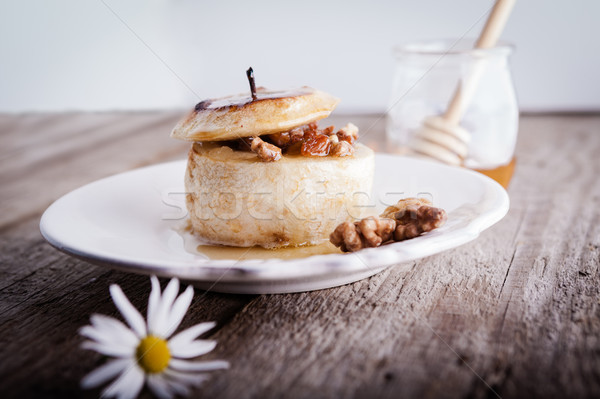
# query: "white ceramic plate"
{"type": "Point", "coordinates": [129, 221]}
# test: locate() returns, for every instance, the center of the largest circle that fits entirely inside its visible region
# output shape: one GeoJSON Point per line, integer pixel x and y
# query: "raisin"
{"type": "Point", "coordinates": [310, 130]}
{"type": "Point", "coordinates": [317, 146]}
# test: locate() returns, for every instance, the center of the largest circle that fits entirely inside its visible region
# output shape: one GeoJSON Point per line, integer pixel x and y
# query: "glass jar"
{"type": "Point", "coordinates": [426, 79]}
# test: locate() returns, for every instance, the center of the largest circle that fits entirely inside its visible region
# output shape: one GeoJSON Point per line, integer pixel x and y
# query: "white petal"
{"type": "Point", "coordinates": [117, 332]}
{"type": "Point", "coordinates": [164, 307]}
{"type": "Point", "coordinates": [113, 328]}
{"type": "Point", "coordinates": [130, 314]}
{"type": "Point", "coordinates": [107, 349]}
{"type": "Point", "coordinates": [159, 386]}
{"type": "Point", "coordinates": [188, 335]}
{"type": "Point", "coordinates": [109, 338]}
{"type": "Point", "coordinates": [128, 385]}
{"type": "Point", "coordinates": [104, 373]}
{"type": "Point", "coordinates": [92, 333]}
{"type": "Point", "coordinates": [179, 309]}
{"type": "Point", "coordinates": [192, 349]}
{"type": "Point", "coordinates": [153, 302]}
{"type": "Point", "coordinates": [185, 365]}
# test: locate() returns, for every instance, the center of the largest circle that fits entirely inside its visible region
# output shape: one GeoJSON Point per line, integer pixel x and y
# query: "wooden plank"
{"type": "Point", "coordinates": [28, 130]}
{"type": "Point", "coordinates": [543, 285]}
{"type": "Point", "coordinates": [22, 252]}
{"type": "Point", "coordinates": [79, 139]}
{"type": "Point", "coordinates": [26, 145]}
{"type": "Point", "coordinates": [40, 312]}
{"type": "Point", "coordinates": [40, 328]}
{"type": "Point", "coordinates": [492, 317]}
{"type": "Point", "coordinates": [142, 140]}
{"type": "Point", "coordinates": [514, 313]}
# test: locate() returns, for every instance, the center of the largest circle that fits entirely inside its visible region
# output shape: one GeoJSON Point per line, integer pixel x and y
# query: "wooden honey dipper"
{"type": "Point", "coordinates": [441, 137]}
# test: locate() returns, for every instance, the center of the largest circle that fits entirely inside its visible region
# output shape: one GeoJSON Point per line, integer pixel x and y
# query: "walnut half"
{"type": "Point", "coordinates": [407, 219]}
{"type": "Point", "coordinates": [366, 233]}
{"type": "Point", "coordinates": [414, 221]}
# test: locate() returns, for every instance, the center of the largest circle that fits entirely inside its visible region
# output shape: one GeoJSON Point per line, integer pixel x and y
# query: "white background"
{"type": "Point", "coordinates": [166, 54]}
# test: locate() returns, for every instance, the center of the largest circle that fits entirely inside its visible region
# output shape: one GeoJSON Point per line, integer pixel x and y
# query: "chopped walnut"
{"type": "Point", "coordinates": [265, 151]}
{"type": "Point", "coordinates": [407, 219]}
{"type": "Point", "coordinates": [341, 149]}
{"type": "Point", "coordinates": [348, 133]}
{"type": "Point", "coordinates": [296, 135]}
{"type": "Point", "coordinates": [366, 233]}
{"type": "Point", "coordinates": [316, 146]}
{"type": "Point", "coordinates": [328, 131]}
{"type": "Point", "coordinates": [307, 140]}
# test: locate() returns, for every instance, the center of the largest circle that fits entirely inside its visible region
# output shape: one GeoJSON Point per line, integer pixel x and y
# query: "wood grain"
{"type": "Point", "coordinates": [516, 313]}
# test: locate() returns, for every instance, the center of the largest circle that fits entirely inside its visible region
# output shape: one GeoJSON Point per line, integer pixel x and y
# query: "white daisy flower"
{"type": "Point", "coordinates": [143, 351]}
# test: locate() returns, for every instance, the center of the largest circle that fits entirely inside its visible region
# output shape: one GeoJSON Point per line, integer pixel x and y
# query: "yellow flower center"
{"type": "Point", "coordinates": [153, 354]}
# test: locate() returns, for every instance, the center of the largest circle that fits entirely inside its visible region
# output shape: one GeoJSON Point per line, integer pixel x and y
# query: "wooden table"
{"type": "Point", "coordinates": [516, 313]}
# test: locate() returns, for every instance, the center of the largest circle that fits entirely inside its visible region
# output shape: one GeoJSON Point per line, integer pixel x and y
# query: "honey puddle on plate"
{"type": "Point", "coordinates": [195, 246]}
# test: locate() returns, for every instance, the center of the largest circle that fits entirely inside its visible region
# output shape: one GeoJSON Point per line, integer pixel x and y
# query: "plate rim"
{"type": "Point", "coordinates": [260, 270]}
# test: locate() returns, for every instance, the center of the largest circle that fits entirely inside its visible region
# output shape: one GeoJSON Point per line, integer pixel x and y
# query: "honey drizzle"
{"type": "Point", "coordinates": [195, 246]}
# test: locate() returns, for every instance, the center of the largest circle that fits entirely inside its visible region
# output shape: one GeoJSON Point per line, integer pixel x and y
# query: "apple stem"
{"type": "Point", "coordinates": [250, 75]}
